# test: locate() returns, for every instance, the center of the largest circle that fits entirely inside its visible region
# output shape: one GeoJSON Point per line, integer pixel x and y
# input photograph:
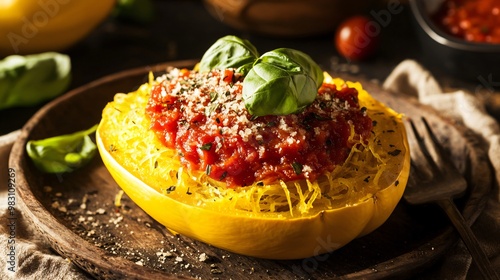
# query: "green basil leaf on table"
{"type": "Point", "coordinates": [229, 52]}
{"type": "Point", "coordinates": [31, 79]}
{"type": "Point", "coordinates": [281, 82]}
{"type": "Point", "coordinates": [63, 153]}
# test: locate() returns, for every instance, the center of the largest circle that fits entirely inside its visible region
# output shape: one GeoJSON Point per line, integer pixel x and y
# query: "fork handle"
{"type": "Point", "coordinates": [470, 240]}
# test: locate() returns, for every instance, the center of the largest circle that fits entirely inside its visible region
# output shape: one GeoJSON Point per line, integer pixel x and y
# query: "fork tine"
{"type": "Point", "coordinates": [438, 148]}
{"type": "Point", "coordinates": [422, 146]}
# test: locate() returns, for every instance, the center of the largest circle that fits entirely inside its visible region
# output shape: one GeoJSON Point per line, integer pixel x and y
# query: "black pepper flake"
{"type": "Point", "coordinates": [170, 189]}
{"type": "Point", "coordinates": [374, 123]}
{"type": "Point", "coordinates": [367, 179]}
{"type": "Point", "coordinates": [156, 164]}
{"type": "Point", "coordinates": [395, 152]}
{"type": "Point", "coordinates": [112, 148]}
{"type": "Point", "coordinates": [319, 117]}
{"type": "Point", "coordinates": [206, 147]}
{"type": "Point", "coordinates": [188, 192]}
{"type": "Point", "coordinates": [297, 167]}
{"type": "Point", "coordinates": [260, 184]}
{"type": "Point", "coordinates": [396, 183]}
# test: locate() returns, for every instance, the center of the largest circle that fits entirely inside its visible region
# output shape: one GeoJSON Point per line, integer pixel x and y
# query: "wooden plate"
{"type": "Point", "coordinates": [77, 215]}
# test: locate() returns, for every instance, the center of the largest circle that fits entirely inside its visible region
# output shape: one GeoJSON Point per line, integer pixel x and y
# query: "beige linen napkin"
{"type": "Point", "coordinates": [411, 78]}
{"type": "Point", "coordinates": [24, 255]}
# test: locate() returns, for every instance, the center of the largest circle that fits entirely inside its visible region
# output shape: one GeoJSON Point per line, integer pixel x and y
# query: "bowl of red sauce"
{"type": "Point", "coordinates": [461, 37]}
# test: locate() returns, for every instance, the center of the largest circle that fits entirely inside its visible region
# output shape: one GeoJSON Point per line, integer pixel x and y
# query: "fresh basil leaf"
{"type": "Point", "coordinates": [63, 153]}
{"type": "Point", "coordinates": [229, 52]}
{"type": "Point", "coordinates": [31, 79]}
{"type": "Point", "coordinates": [296, 62]}
{"type": "Point", "coordinates": [281, 82]}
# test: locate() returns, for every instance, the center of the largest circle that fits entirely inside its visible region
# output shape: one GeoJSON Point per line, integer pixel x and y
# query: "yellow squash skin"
{"type": "Point", "coordinates": [269, 235]}
{"type": "Point", "coordinates": [32, 26]}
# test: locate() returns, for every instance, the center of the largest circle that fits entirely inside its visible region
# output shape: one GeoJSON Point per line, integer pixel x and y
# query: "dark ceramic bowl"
{"type": "Point", "coordinates": [459, 58]}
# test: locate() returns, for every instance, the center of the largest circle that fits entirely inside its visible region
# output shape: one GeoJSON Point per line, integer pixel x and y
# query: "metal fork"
{"type": "Point", "coordinates": [436, 179]}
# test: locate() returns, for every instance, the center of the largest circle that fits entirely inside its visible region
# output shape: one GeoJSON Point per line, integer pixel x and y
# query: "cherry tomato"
{"type": "Point", "coordinates": [357, 37]}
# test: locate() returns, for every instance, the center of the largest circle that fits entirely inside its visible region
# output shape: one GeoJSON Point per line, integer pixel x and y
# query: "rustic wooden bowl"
{"type": "Point", "coordinates": [123, 242]}
{"type": "Point", "coordinates": [286, 18]}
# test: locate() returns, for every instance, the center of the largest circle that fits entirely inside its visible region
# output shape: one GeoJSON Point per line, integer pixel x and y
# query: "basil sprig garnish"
{"type": "Point", "coordinates": [279, 82]}
{"type": "Point", "coordinates": [63, 153]}
{"type": "Point", "coordinates": [229, 52]}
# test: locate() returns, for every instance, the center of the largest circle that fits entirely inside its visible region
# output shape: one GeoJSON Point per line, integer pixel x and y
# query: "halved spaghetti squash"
{"type": "Point", "coordinates": [290, 214]}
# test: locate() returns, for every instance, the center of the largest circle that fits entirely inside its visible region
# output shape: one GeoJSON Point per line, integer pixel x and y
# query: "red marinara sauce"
{"type": "Point", "coordinates": [471, 20]}
{"type": "Point", "coordinates": [204, 118]}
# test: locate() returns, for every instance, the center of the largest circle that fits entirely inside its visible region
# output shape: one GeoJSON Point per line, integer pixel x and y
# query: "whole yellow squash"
{"type": "Point", "coordinates": [33, 26]}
